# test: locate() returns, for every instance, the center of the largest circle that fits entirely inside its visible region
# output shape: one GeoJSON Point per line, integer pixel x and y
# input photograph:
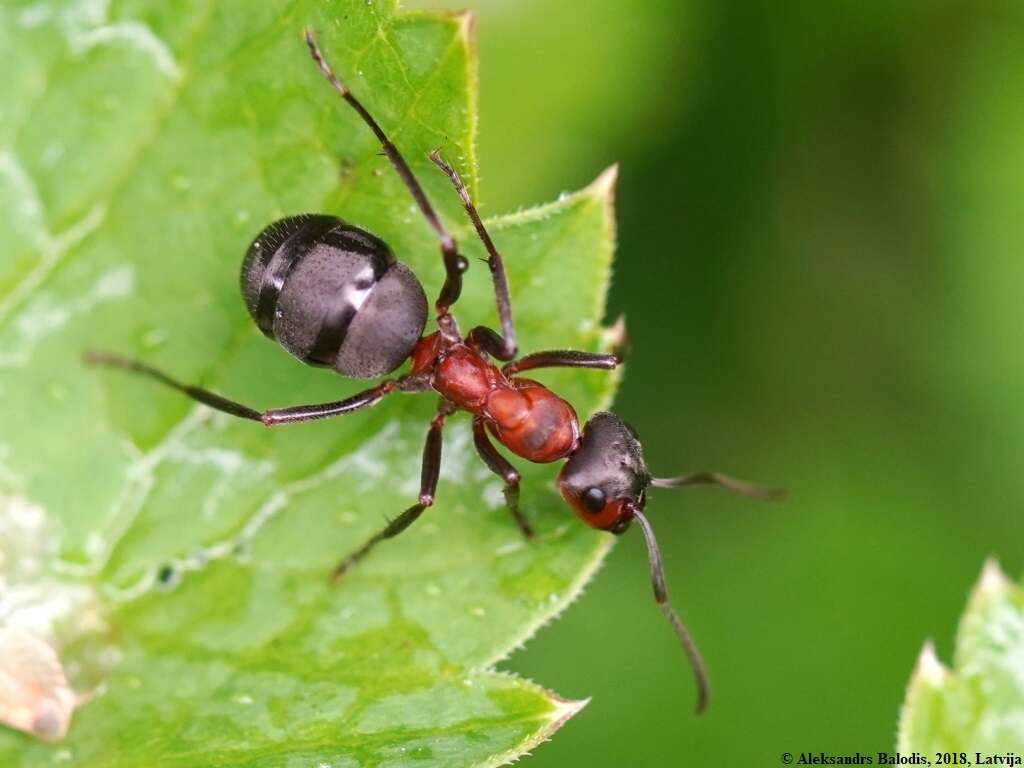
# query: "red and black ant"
{"type": "Point", "coordinates": [333, 295]}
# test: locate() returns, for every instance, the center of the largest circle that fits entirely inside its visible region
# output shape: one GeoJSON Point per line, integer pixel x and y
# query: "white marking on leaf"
{"type": "Point", "coordinates": [85, 25]}
{"type": "Point", "coordinates": [229, 466]}
{"type": "Point", "coordinates": [493, 494]}
{"type": "Point", "coordinates": [20, 196]}
{"type": "Point", "coordinates": [366, 463]}
{"type": "Point", "coordinates": [138, 36]}
{"type": "Point", "coordinates": [47, 314]}
{"type": "Point", "coordinates": [140, 477]}
{"type": "Point", "coordinates": [17, 188]}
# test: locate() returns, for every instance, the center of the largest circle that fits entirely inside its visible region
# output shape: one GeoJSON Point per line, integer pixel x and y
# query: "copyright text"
{"type": "Point", "coordinates": [896, 758]}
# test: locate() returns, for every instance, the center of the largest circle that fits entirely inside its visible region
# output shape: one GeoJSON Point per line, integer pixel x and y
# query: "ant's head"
{"type": "Point", "coordinates": [605, 481]}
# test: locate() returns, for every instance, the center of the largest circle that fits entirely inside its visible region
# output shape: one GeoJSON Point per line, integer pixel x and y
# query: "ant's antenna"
{"type": "Point", "coordinates": [389, 149]}
{"type": "Point", "coordinates": [454, 263]}
{"type": "Point", "coordinates": [722, 481]}
{"type": "Point", "coordinates": [700, 674]}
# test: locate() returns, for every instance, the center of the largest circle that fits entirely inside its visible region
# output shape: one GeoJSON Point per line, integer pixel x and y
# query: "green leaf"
{"type": "Point", "coordinates": [978, 706]}
{"type": "Point", "coordinates": [177, 559]}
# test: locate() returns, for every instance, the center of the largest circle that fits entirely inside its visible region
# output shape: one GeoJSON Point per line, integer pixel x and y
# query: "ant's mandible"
{"type": "Point", "coordinates": [333, 295]}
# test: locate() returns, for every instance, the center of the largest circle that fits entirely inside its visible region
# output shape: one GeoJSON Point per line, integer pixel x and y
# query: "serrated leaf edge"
{"type": "Point", "coordinates": [562, 711]}
{"type": "Point", "coordinates": [465, 23]}
{"type": "Point", "coordinates": [930, 674]}
{"type": "Point", "coordinates": [603, 190]}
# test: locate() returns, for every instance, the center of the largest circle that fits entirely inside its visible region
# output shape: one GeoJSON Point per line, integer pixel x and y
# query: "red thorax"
{"type": "Point", "coordinates": [523, 415]}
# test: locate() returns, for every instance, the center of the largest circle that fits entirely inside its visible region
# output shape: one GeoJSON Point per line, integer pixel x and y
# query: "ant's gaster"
{"type": "Point", "coordinates": [334, 295]}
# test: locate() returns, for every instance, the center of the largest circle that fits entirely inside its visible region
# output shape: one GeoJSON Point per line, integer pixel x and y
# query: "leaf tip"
{"type": "Point", "coordinates": [562, 710]}
{"type": "Point", "coordinates": [616, 337]}
{"type": "Point", "coordinates": [604, 184]}
{"type": "Point", "coordinates": [929, 675]}
{"type": "Point", "coordinates": [991, 581]}
{"type": "Point", "coordinates": [991, 585]}
{"type": "Point", "coordinates": [565, 710]}
{"type": "Point", "coordinates": [466, 22]}
{"type": "Point", "coordinates": [928, 668]}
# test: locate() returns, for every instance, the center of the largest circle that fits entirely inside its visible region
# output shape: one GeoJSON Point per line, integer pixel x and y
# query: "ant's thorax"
{"type": "Point", "coordinates": [524, 415]}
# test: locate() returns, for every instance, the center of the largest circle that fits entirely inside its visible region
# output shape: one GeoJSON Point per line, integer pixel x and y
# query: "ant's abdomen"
{"type": "Point", "coordinates": [532, 421]}
{"type": "Point", "coordinates": [333, 295]}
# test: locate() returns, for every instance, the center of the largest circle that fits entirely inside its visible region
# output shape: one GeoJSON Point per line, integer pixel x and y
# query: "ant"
{"type": "Point", "coordinates": [334, 296]}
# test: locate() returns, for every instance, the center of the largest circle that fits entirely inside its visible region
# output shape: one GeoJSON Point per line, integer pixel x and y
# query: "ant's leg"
{"type": "Point", "coordinates": [491, 342]}
{"type": "Point", "coordinates": [566, 358]}
{"type": "Point", "coordinates": [507, 340]}
{"type": "Point", "coordinates": [428, 486]}
{"type": "Point", "coordinates": [569, 358]}
{"type": "Point", "coordinates": [499, 466]}
{"type": "Point", "coordinates": [454, 264]}
{"type": "Point", "coordinates": [365, 399]}
{"type": "Point", "coordinates": [356, 402]}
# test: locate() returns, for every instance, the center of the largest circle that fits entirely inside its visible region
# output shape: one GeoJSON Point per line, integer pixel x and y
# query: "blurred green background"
{"type": "Point", "coordinates": [820, 260]}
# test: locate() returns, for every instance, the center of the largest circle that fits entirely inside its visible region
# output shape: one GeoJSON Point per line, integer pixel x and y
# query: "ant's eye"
{"type": "Point", "coordinates": [593, 500]}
